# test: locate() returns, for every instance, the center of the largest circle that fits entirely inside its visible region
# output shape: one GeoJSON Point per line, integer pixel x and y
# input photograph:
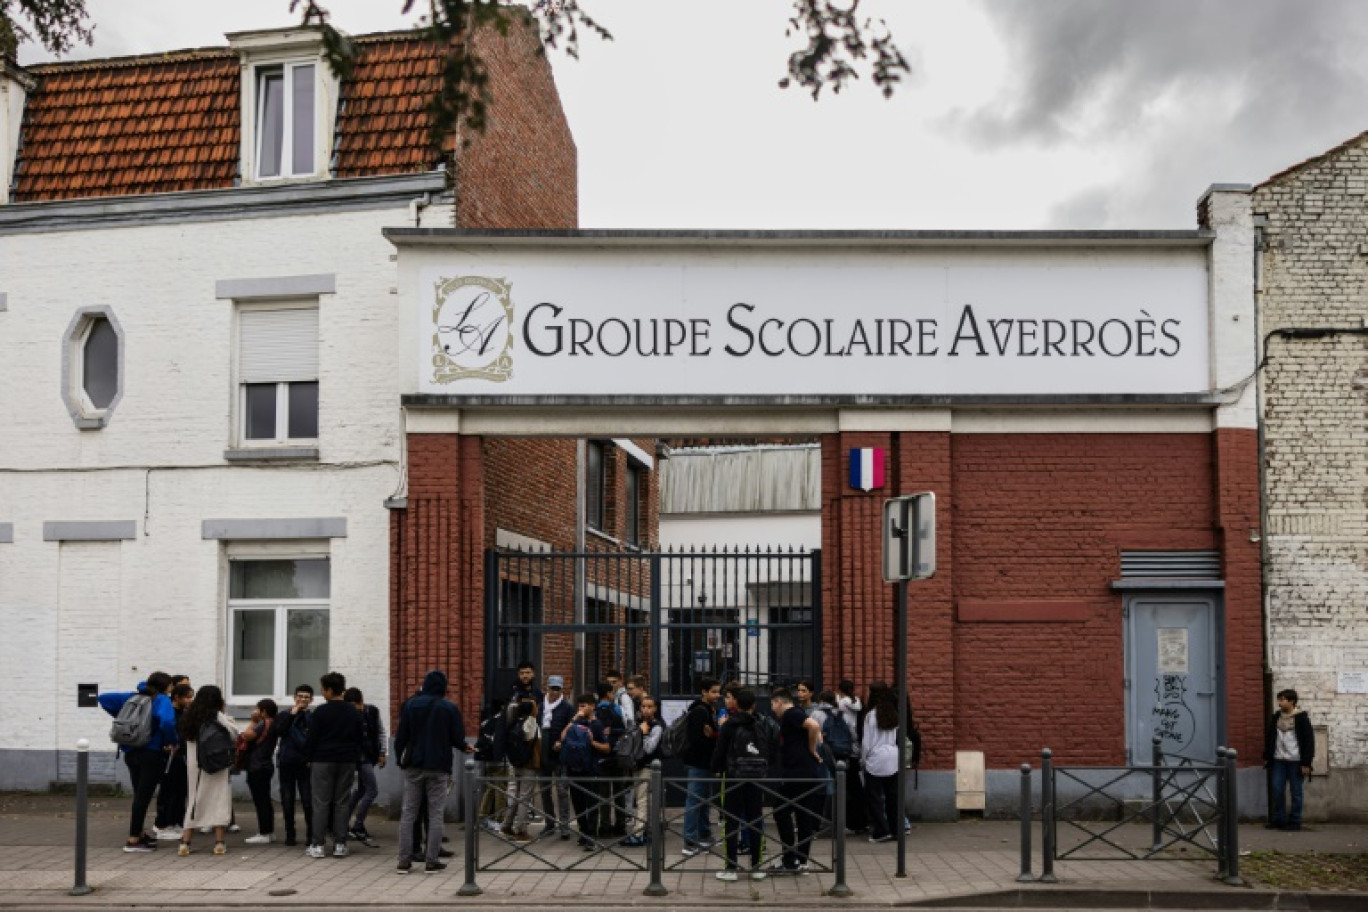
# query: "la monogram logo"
{"type": "Point", "coordinates": [472, 335]}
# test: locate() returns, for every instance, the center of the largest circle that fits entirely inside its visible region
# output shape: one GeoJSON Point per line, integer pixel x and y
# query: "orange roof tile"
{"type": "Point", "coordinates": [171, 122]}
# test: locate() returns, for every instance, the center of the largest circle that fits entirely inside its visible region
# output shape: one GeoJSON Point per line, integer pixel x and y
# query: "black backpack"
{"type": "Point", "coordinates": [490, 746]}
{"type": "Point", "coordinates": [836, 735]}
{"type": "Point", "coordinates": [214, 748]}
{"type": "Point", "coordinates": [748, 757]}
{"type": "Point", "coordinates": [630, 749]}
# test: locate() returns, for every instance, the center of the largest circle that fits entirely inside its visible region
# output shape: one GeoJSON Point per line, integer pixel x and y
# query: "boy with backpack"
{"type": "Point", "coordinates": [490, 747]}
{"type": "Point", "coordinates": [615, 813]}
{"type": "Point", "coordinates": [743, 755]}
{"type": "Point", "coordinates": [144, 728]}
{"type": "Point", "coordinates": [700, 728]}
{"type": "Point", "coordinates": [523, 753]}
{"type": "Point", "coordinates": [583, 742]}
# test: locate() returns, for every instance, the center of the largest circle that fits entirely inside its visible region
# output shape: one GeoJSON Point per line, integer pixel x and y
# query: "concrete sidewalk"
{"type": "Point", "coordinates": [971, 863]}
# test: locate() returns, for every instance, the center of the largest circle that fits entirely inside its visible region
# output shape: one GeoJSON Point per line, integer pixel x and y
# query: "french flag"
{"type": "Point", "coordinates": [867, 468]}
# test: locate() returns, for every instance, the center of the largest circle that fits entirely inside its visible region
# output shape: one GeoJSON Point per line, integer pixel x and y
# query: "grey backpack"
{"type": "Point", "coordinates": [133, 725]}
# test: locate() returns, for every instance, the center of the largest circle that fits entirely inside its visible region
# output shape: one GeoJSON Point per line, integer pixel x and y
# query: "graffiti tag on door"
{"type": "Point", "coordinates": [1173, 720]}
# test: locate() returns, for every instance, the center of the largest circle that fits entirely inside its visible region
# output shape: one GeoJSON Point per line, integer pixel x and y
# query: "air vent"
{"type": "Point", "coordinates": [1171, 564]}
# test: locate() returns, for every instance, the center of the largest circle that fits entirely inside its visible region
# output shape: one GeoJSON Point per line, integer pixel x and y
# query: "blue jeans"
{"type": "Point", "coordinates": [1285, 773]}
{"type": "Point", "coordinates": [697, 826]}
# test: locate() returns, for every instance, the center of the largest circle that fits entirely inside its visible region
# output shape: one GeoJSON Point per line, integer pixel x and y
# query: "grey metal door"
{"type": "Point", "coordinates": [1173, 675]}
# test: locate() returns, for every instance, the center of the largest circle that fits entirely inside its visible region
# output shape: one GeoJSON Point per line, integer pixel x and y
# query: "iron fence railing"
{"type": "Point", "coordinates": [596, 799]}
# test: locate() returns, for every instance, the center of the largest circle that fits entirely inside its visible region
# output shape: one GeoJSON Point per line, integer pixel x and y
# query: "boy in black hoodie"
{"type": "Point", "coordinates": [430, 728]}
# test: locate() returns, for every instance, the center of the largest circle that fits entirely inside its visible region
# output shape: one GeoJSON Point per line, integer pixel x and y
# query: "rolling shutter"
{"type": "Point", "coordinates": [278, 345]}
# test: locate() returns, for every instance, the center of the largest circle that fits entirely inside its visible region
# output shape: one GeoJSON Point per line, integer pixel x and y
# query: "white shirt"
{"type": "Point", "coordinates": [880, 748]}
{"type": "Point", "coordinates": [547, 706]}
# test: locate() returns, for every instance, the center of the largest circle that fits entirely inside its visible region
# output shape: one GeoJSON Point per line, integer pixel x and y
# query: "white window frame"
{"type": "Point", "coordinates": [286, 70]}
{"type": "Point", "coordinates": [83, 411]}
{"type": "Point", "coordinates": [284, 48]}
{"type": "Point", "coordinates": [282, 609]}
{"type": "Point", "coordinates": [282, 428]}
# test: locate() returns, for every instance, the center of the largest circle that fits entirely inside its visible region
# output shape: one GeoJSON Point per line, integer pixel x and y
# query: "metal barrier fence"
{"type": "Point", "coordinates": [1186, 805]}
{"type": "Point", "coordinates": [790, 809]}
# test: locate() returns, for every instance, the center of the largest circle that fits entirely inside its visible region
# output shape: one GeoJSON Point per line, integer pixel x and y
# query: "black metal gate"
{"type": "Point", "coordinates": [673, 617]}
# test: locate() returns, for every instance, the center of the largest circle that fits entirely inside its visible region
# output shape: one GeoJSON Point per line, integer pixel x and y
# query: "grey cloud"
{"type": "Point", "coordinates": [1205, 92]}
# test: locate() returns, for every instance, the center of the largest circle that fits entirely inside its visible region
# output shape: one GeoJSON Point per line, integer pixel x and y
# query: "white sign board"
{"type": "Point", "coordinates": [1353, 682]}
{"type": "Point", "coordinates": [495, 324]}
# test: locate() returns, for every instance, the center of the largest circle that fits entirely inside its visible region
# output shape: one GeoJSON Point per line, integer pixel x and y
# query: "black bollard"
{"type": "Point", "coordinates": [840, 889]}
{"type": "Point", "coordinates": [1025, 875]}
{"type": "Point", "coordinates": [472, 831]}
{"type": "Point", "coordinates": [1047, 821]}
{"type": "Point", "coordinates": [81, 888]}
{"type": "Point", "coordinates": [655, 826]}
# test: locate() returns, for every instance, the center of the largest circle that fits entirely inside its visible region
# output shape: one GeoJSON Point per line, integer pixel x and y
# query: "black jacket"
{"type": "Point", "coordinates": [430, 728]}
{"type": "Point", "coordinates": [560, 717]}
{"type": "Point", "coordinates": [292, 729]}
{"type": "Point", "coordinates": [735, 722]}
{"type": "Point", "coordinates": [700, 750]}
{"type": "Point", "coordinates": [1306, 737]}
{"type": "Point", "coordinates": [336, 734]}
{"type": "Point", "coordinates": [261, 755]}
{"type": "Point", "coordinates": [373, 744]}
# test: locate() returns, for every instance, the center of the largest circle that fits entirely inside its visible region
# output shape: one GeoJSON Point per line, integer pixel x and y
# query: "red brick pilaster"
{"type": "Point", "coordinates": [858, 606]}
{"type": "Point", "coordinates": [1236, 479]}
{"type": "Point", "coordinates": [437, 572]}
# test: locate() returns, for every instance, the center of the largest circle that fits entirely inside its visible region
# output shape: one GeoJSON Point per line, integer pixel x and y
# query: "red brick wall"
{"type": "Point", "coordinates": [1032, 526]}
{"type": "Point", "coordinates": [521, 171]}
{"type": "Point", "coordinates": [437, 572]}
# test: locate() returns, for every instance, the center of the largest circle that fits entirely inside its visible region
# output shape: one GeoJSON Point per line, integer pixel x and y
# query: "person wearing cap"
{"type": "Point", "coordinates": [556, 713]}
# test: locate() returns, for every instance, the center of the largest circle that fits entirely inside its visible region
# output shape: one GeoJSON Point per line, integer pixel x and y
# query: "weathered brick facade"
{"type": "Point", "coordinates": [1312, 276]}
{"type": "Point", "coordinates": [1020, 615]}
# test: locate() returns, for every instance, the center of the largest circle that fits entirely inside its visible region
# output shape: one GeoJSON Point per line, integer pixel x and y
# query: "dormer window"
{"type": "Point", "coordinates": [289, 105]}
{"type": "Point", "coordinates": [286, 120]}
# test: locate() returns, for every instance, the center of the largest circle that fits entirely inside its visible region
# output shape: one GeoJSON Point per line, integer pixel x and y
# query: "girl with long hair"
{"type": "Point", "coordinates": [211, 796]}
{"type": "Point", "coordinates": [882, 759]}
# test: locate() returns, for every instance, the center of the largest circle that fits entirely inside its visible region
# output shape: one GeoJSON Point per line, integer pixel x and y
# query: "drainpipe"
{"type": "Point", "coordinates": [416, 206]}
{"type": "Point", "coordinates": [581, 457]}
{"type": "Point", "coordinates": [1260, 241]}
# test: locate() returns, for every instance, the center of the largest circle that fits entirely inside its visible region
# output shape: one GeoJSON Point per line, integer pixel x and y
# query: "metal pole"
{"type": "Point", "coordinates": [840, 889]}
{"type": "Point", "coordinates": [81, 888]}
{"type": "Point", "coordinates": [900, 649]}
{"type": "Point", "coordinates": [1025, 875]}
{"type": "Point", "coordinates": [472, 831]}
{"type": "Point", "coordinates": [655, 824]}
{"type": "Point", "coordinates": [1157, 795]}
{"type": "Point", "coordinates": [1233, 827]}
{"type": "Point", "coordinates": [1223, 810]}
{"type": "Point", "coordinates": [1047, 821]}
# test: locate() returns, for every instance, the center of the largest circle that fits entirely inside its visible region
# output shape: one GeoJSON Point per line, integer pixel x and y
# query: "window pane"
{"type": "Point", "coordinates": [633, 495]}
{"type": "Point", "coordinates": [593, 485]}
{"type": "Point", "coordinates": [100, 363]}
{"type": "Point", "coordinates": [302, 127]}
{"type": "Point", "coordinates": [279, 579]}
{"type": "Point", "coordinates": [303, 411]}
{"type": "Point", "coordinates": [254, 652]}
{"type": "Point", "coordinates": [306, 646]}
{"type": "Point", "coordinates": [259, 403]}
{"type": "Point", "coordinates": [271, 122]}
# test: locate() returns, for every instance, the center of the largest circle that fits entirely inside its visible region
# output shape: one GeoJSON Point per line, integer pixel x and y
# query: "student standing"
{"type": "Point", "coordinates": [556, 713]}
{"type": "Point", "coordinates": [293, 728]}
{"type": "Point", "coordinates": [523, 752]}
{"type": "Point", "coordinates": [1289, 748]}
{"type": "Point", "coordinates": [701, 735]}
{"type": "Point", "coordinates": [211, 794]}
{"type": "Point", "coordinates": [801, 790]}
{"type": "Point", "coordinates": [882, 759]}
{"type": "Point", "coordinates": [742, 755]}
{"type": "Point", "coordinates": [333, 749]}
{"type": "Point", "coordinates": [146, 762]}
{"type": "Point", "coordinates": [262, 736]}
{"type": "Point", "coordinates": [430, 729]}
{"type": "Point", "coordinates": [374, 753]}
{"type": "Point", "coordinates": [581, 744]}
{"type": "Point", "coordinates": [652, 731]}
{"type": "Point", "coordinates": [171, 794]}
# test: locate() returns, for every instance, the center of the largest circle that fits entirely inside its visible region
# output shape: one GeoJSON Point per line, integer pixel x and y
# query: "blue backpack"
{"type": "Point", "coordinates": [577, 753]}
{"type": "Point", "coordinates": [836, 736]}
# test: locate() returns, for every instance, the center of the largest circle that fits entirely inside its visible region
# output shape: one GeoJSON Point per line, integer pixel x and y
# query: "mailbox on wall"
{"type": "Point", "coordinates": [87, 695]}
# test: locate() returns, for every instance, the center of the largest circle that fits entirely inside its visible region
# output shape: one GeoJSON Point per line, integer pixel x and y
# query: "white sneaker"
{"type": "Point", "coordinates": [314, 851]}
{"type": "Point", "coordinates": [340, 850]}
{"type": "Point", "coordinates": [259, 839]}
{"type": "Point", "coordinates": [234, 828]}
{"type": "Point", "coordinates": [726, 875]}
{"type": "Point", "coordinates": [206, 829]}
{"type": "Point", "coordinates": [757, 874]}
{"type": "Point", "coordinates": [167, 833]}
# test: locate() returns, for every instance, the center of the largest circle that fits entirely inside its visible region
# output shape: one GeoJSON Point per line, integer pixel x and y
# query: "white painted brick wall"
{"type": "Point", "coordinates": [1314, 274]}
{"type": "Point", "coordinates": [112, 612]}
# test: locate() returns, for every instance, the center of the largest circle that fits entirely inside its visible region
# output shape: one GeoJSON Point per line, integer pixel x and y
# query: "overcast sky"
{"type": "Point", "coordinates": [1041, 114]}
